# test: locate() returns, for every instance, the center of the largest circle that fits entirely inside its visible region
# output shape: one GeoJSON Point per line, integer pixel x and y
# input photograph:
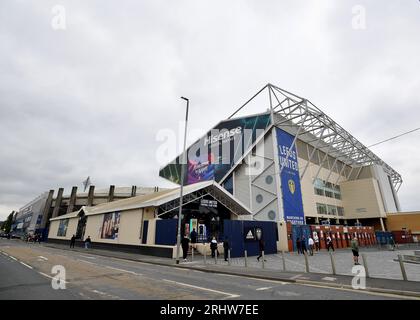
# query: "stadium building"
{"type": "Point", "coordinates": [278, 174]}
{"type": "Point", "coordinates": [293, 165]}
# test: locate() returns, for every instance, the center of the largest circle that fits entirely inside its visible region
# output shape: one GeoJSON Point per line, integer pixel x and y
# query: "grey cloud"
{"type": "Point", "coordinates": [89, 100]}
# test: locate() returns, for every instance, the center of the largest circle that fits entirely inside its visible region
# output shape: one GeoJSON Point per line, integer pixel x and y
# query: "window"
{"type": "Point", "coordinates": [331, 210]}
{"type": "Point", "coordinates": [340, 211]}
{"type": "Point", "coordinates": [329, 194]}
{"type": "Point", "coordinates": [319, 183]}
{"type": "Point", "coordinates": [328, 189]}
{"type": "Point", "coordinates": [319, 192]}
{"type": "Point", "coordinates": [321, 208]}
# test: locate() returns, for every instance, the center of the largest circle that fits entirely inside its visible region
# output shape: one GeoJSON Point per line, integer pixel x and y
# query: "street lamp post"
{"type": "Point", "coordinates": [181, 190]}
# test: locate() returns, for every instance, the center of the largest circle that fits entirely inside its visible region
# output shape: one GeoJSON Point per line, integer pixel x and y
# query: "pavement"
{"type": "Point", "coordinates": [103, 274]}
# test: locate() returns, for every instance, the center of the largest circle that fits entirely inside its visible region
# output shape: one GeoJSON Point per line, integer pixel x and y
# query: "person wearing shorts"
{"type": "Point", "coordinates": [355, 250]}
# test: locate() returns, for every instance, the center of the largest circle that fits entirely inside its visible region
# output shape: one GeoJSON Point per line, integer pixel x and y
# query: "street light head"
{"type": "Point", "coordinates": [186, 99]}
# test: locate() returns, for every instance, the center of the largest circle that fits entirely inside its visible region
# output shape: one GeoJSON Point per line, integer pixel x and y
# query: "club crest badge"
{"type": "Point", "coordinates": [292, 186]}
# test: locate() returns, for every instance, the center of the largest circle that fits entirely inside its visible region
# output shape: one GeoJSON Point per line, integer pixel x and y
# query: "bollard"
{"type": "Point", "coordinates": [404, 274]}
{"type": "Point", "coordinates": [332, 264]}
{"type": "Point", "coordinates": [205, 255]}
{"type": "Point", "coordinates": [192, 253]}
{"type": "Point", "coordinates": [365, 264]}
{"type": "Point", "coordinates": [263, 259]}
{"type": "Point", "coordinates": [246, 259]}
{"type": "Point", "coordinates": [229, 257]}
{"type": "Point", "coordinates": [306, 261]}
{"type": "Point", "coordinates": [215, 257]}
{"type": "Point", "coordinates": [284, 261]}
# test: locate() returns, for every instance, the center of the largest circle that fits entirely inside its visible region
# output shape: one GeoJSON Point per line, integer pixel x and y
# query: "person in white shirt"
{"type": "Point", "coordinates": [311, 246]}
{"type": "Point", "coordinates": [316, 240]}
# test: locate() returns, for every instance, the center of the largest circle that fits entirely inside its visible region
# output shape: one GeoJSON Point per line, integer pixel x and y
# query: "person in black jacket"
{"type": "Point", "coordinates": [298, 245]}
{"type": "Point", "coordinates": [185, 243]}
{"type": "Point", "coordinates": [226, 248]}
{"type": "Point", "coordinates": [193, 236]}
{"type": "Point", "coordinates": [72, 241]}
{"type": "Point", "coordinates": [261, 246]}
{"type": "Point", "coordinates": [88, 241]}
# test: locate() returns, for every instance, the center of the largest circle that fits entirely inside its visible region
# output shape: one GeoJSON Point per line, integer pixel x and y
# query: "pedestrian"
{"type": "Point", "coordinates": [330, 243]}
{"type": "Point", "coordinates": [213, 247]}
{"type": "Point", "coordinates": [87, 242]}
{"type": "Point", "coordinates": [185, 242]}
{"type": "Point", "coordinates": [72, 241]}
{"type": "Point", "coordinates": [311, 246]}
{"type": "Point", "coordinates": [298, 245]}
{"type": "Point", "coordinates": [316, 240]}
{"type": "Point", "coordinates": [303, 245]}
{"type": "Point", "coordinates": [39, 238]}
{"type": "Point", "coordinates": [392, 243]}
{"type": "Point", "coordinates": [193, 236]}
{"type": "Point", "coordinates": [355, 250]}
{"type": "Point", "coordinates": [226, 248]}
{"type": "Point", "coordinates": [261, 246]}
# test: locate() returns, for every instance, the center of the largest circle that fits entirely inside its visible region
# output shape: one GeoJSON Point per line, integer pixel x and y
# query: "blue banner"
{"type": "Point", "coordinates": [290, 181]}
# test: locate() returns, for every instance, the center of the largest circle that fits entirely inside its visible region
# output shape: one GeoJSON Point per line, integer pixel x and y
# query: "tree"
{"type": "Point", "coordinates": [8, 223]}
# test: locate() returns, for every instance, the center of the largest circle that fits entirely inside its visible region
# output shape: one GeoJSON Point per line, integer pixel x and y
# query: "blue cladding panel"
{"type": "Point", "coordinates": [234, 230]}
{"type": "Point", "coordinates": [166, 232]}
{"type": "Point", "coordinates": [383, 237]}
{"type": "Point", "coordinates": [299, 231]}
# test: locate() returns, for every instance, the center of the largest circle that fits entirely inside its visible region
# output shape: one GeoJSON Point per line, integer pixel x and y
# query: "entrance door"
{"type": "Point", "coordinates": [145, 228]}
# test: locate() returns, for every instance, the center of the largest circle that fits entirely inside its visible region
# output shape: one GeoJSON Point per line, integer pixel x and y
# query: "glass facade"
{"type": "Point", "coordinates": [327, 209]}
{"type": "Point", "coordinates": [327, 189]}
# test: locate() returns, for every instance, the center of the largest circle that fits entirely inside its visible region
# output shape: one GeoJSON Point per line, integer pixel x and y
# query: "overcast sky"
{"type": "Point", "coordinates": [89, 99]}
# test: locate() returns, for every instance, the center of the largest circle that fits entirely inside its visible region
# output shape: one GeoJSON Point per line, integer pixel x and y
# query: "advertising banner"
{"type": "Point", "coordinates": [62, 228]}
{"type": "Point", "coordinates": [290, 181]}
{"type": "Point", "coordinates": [110, 225]}
{"type": "Point", "coordinates": [211, 157]}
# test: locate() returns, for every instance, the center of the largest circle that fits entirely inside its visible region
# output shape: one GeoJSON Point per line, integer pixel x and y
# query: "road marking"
{"type": "Point", "coordinates": [264, 288]}
{"type": "Point", "coordinates": [106, 294]}
{"type": "Point", "coordinates": [88, 262]}
{"type": "Point", "coordinates": [11, 257]}
{"type": "Point", "coordinates": [26, 265]}
{"type": "Point", "coordinates": [5, 254]}
{"type": "Point", "coordinates": [88, 257]}
{"type": "Point", "coordinates": [46, 259]}
{"type": "Point", "coordinates": [99, 292]}
{"type": "Point", "coordinates": [230, 295]}
{"type": "Point", "coordinates": [123, 270]}
{"type": "Point", "coordinates": [362, 291]}
{"type": "Point", "coordinates": [329, 279]}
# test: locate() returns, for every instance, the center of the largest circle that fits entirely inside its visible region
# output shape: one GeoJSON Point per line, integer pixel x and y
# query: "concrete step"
{"type": "Point", "coordinates": [417, 253]}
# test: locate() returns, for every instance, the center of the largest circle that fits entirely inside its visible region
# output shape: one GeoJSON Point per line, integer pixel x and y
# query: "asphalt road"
{"type": "Point", "coordinates": [26, 273]}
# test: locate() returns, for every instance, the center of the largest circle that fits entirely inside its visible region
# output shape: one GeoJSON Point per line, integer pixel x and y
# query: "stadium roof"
{"type": "Point", "coordinates": [318, 129]}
